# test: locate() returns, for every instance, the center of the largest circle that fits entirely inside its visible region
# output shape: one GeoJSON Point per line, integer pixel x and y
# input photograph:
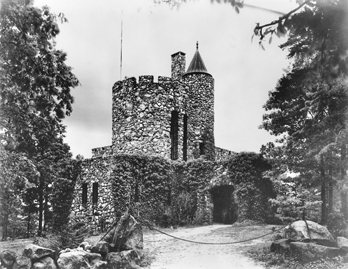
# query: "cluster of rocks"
{"type": "Point", "coordinates": [120, 248]}
{"type": "Point", "coordinates": [309, 241]}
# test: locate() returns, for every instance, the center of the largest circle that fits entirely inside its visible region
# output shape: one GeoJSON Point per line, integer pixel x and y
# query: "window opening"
{"type": "Point", "coordinates": [174, 130]}
{"type": "Point", "coordinates": [95, 193]}
{"type": "Point", "coordinates": [201, 148]}
{"type": "Point", "coordinates": [84, 193]}
{"type": "Point", "coordinates": [185, 139]}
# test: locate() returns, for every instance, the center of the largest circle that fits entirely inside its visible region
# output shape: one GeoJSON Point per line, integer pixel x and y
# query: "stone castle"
{"type": "Point", "coordinates": [172, 118]}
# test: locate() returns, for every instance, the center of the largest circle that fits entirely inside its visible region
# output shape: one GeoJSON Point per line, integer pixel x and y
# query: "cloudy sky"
{"type": "Point", "coordinates": [243, 72]}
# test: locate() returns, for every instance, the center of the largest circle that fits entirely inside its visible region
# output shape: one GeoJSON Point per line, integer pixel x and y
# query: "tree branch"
{"type": "Point", "coordinates": [258, 28]}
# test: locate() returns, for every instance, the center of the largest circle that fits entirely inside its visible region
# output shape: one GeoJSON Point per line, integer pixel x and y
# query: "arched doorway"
{"type": "Point", "coordinates": [225, 210]}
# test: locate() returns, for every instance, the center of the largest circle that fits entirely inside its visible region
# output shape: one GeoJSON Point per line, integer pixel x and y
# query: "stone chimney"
{"type": "Point", "coordinates": [178, 65]}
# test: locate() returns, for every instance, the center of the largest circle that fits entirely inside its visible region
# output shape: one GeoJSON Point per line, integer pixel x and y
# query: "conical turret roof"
{"type": "Point", "coordinates": [197, 65]}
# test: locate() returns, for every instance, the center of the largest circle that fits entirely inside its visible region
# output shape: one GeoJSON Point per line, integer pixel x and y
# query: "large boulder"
{"type": "Point", "coordinates": [314, 232]}
{"type": "Point", "coordinates": [280, 246]}
{"type": "Point", "coordinates": [100, 247]}
{"type": "Point", "coordinates": [85, 246]}
{"type": "Point", "coordinates": [35, 252]}
{"type": "Point", "coordinates": [45, 263]}
{"type": "Point", "coordinates": [342, 243]}
{"type": "Point", "coordinates": [311, 251]}
{"type": "Point", "coordinates": [127, 235]}
{"type": "Point", "coordinates": [22, 263]}
{"type": "Point", "coordinates": [7, 258]}
{"type": "Point", "coordinates": [72, 259]}
{"type": "Point", "coordinates": [128, 259]}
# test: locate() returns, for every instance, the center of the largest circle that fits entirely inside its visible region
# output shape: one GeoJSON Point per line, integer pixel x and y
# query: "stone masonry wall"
{"type": "Point", "coordinates": [178, 65]}
{"type": "Point", "coordinates": [223, 154]}
{"type": "Point", "coordinates": [200, 111]}
{"type": "Point", "coordinates": [141, 115]}
{"type": "Point", "coordinates": [102, 151]}
{"type": "Point", "coordinates": [96, 170]}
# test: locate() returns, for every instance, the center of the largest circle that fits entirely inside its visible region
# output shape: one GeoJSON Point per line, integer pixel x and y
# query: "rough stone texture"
{"type": "Point", "coordinates": [7, 257]}
{"type": "Point", "coordinates": [311, 251]}
{"type": "Point", "coordinates": [200, 111]}
{"type": "Point", "coordinates": [101, 215]}
{"type": "Point", "coordinates": [127, 235]}
{"type": "Point", "coordinates": [101, 247]}
{"type": "Point", "coordinates": [35, 252]}
{"type": "Point", "coordinates": [45, 263]}
{"type": "Point", "coordinates": [280, 246]}
{"type": "Point", "coordinates": [142, 115]}
{"type": "Point", "coordinates": [22, 263]}
{"type": "Point", "coordinates": [85, 246]}
{"type": "Point", "coordinates": [128, 259]}
{"type": "Point", "coordinates": [102, 151]}
{"type": "Point", "coordinates": [77, 259]}
{"type": "Point", "coordinates": [223, 154]}
{"type": "Point", "coordinates": [178, 65]}
{"type": "Point", "coordinates": [342, 243]}
{"type": "Point", "coordinates": [297, 231]}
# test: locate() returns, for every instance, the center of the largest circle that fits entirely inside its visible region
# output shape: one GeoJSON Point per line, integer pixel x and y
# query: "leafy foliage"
{"type": "Point", "coordinates": [35, 96]}
{"type": "Point", "coordinates": [308, 109]}
{"type": "Point", "coordinates": [15, 169]}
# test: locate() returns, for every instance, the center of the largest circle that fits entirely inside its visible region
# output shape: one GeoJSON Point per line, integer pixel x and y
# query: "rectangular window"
{"type": "Point", "coordinates": [174, 130]}
{"type": "Point", "coordinates": [136, 192]}
{"type": "Point", "coordinates": [84, 193]}
{"type": "Point", "coordinates": [95, 193]}
{"type": "Point", "coordinates": [184, 153]}
{"type": "Point", "coordinates": [201, 148]}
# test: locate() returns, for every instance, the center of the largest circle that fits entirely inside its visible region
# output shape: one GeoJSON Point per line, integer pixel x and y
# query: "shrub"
{"type": "Point", "coordinates": [337, 224]}
{"type": "Point", "coordinates": [52, 241]}
{"type": "Point", "coordinates": [282, 261]}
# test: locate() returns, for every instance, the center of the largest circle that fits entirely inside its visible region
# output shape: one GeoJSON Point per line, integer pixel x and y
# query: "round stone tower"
{"type": "Point", "coordinates": [173, 117]}
{"type": "Point", "coordinates": [200, 109]}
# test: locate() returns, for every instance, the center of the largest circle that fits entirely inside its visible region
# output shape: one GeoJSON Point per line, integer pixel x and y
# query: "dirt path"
{"type": "Point", "coordinates": [170, 253]}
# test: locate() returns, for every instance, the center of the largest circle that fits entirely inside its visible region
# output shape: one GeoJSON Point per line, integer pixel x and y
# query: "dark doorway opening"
{"type": "Point", "coordinates": [224, 205]}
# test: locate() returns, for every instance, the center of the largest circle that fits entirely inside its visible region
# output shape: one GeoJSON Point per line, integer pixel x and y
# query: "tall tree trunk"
{"type": "Point", "coordinates": [330, 209]}
{"type": "Point", "coordinates": [323, 192]}
{"type": "Point", "coordinates": [28, 225]}
{"type": "Point", "coordinates": [5, 225]}
{"type": "Point", "coordinates": [41, 206]}
{"type": "Point", "coordinates": [331, 184]}
{"type": "Point", "coordinates": [344, 205]}
{"type": "Point", "coordinates": [46, 209]}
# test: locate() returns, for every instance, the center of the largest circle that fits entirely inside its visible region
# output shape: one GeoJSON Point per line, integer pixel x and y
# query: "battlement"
{"type": "Point", "coordinates": [101, 151]}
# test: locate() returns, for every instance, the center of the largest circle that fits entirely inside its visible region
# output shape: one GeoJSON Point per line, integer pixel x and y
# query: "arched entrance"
{"type": "Point", "coordinates": [225, 210]}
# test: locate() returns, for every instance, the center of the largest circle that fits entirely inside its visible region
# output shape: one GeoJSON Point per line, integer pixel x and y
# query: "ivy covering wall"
{"type": "Point", "coordinates": [167, 192]}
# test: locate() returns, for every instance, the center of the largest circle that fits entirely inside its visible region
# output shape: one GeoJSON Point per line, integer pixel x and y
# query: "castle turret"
{"type": "Point", "coordinates": [200, 109]}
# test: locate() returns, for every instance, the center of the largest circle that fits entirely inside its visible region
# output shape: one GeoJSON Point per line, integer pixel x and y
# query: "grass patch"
{"type": "Point", "coordinates": [270, 259]}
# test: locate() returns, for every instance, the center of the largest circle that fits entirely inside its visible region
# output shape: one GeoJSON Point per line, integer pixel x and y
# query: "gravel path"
{"type": "Point", "coordinates": [170, 253]}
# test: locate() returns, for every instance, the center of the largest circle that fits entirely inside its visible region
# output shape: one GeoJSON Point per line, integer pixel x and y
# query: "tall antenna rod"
{"type": "Point", "coordinates": [121, 44]}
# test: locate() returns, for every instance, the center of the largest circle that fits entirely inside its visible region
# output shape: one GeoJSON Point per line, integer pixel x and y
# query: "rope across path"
{"type": "Point", "coordinates": [151, 227]}
{"type": "Point", "coordinates": [214, 243]}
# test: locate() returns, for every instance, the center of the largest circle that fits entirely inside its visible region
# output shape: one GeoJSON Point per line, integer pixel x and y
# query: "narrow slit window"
{"type": "Point", "coordinates": [84, 193]}
{"type": "Point", "coordinates": [136, 192]}
{"type": "Point", "coordinates": [174, 130]}
{"type": "Point", "coordinates": [95, 193]}
{"type": "Point", "coordinates": [185, 139]}
{"type": "Point", "coordinates": [201, 148]}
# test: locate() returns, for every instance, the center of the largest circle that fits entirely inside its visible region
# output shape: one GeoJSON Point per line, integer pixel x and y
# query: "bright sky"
{"type": "Point", "coordinates": [243, 72]}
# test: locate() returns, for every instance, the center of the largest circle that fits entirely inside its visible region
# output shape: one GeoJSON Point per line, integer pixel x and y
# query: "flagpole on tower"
{"type": "Point", "coordinates": [121, 45]}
